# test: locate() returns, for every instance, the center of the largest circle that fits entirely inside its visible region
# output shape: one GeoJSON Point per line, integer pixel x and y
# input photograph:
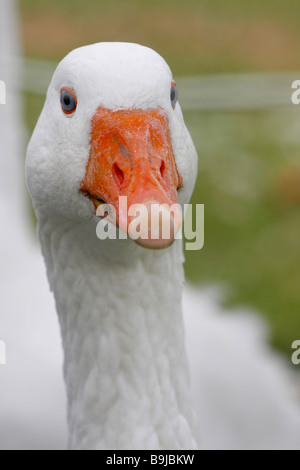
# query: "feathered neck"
{"type": "Point", "coordinates": [119, 308]}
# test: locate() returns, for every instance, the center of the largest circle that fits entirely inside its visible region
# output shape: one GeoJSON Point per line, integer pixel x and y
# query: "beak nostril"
{"type": "Point", "coordinates": [118, 174]}
{"type": "Point", "coordinates": [162, 169]}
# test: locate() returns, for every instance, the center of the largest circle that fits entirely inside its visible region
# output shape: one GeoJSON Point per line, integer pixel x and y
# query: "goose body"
{"type": "Point", "coordinates": [125, 363]}
{"type": "Point", "coordinates": [119, 305]}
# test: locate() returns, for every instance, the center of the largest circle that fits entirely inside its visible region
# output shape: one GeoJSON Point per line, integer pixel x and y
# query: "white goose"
{"type": "Point", "coordinates": [109, 127]}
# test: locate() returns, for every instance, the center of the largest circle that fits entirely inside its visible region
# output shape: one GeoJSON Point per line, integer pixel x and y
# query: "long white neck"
{"type": "Point", "coordinates": [125, 364]}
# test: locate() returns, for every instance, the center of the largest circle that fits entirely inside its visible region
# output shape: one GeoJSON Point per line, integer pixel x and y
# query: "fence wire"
{"type": "Point", "coordinates": [248, 91]}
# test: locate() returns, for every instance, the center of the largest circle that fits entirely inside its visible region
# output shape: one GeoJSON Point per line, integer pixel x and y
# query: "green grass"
{"type": "Point", "coordinates": [248, 163]}
{"type": "Point", "coordinates": [215, 8]}
{"type": "Point", "coordinates": [195, 36]}
{"type": "Point", "coordinates": [249, 170]}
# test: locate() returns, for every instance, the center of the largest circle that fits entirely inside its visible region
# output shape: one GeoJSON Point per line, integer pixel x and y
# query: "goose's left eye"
{"type": "Point", "coordinates": [68, 100]}
{"type": "Point", "coordinates": [174, 95]}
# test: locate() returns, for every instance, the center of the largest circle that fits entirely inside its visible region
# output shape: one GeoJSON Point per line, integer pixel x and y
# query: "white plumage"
{"type": "Point", "coordinates": [119, 308]}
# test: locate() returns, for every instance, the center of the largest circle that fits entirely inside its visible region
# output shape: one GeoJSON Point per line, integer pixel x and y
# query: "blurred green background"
{"type": "Point", "coordinates": [249, 166]}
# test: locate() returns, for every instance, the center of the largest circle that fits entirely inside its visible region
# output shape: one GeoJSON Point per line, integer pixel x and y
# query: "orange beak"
{"type": "Point", "coordinates": [131, 155]}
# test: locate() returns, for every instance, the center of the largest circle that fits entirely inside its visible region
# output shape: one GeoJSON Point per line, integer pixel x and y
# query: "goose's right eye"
{"type": "Point", "coordinates": [174, 95]}
{"type": "Point", "coordinates": [68, 100]}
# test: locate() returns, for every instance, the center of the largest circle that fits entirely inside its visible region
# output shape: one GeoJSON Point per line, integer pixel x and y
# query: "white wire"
{"type": "Point", "coordinates": [249, 91]}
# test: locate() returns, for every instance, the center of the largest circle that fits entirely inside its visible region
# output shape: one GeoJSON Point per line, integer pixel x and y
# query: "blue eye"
{"type": "Point", "coordinates": [68, 100]}
{"type": "Point", "coordinates": [174, 95]}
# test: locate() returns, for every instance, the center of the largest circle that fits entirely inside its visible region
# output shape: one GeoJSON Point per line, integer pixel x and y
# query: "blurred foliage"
{"type": "Point", "coordinates": [195, 36]}
{"type": "Point", "coordinates": [249, 170]}
{"type": "Point", "coordinates": [249, 181]}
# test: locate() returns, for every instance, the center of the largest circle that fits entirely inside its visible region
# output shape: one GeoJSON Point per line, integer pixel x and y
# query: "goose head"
{"type": "Point", "coordinates": [111, 126]}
